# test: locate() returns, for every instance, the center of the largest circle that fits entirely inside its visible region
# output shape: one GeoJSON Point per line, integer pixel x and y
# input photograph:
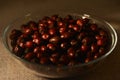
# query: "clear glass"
{"type": "Point", "coordinates": [52, 71]}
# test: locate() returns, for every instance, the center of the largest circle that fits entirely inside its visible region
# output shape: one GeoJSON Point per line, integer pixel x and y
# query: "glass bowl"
{"type": "Point", "coordinates": [53, 71]}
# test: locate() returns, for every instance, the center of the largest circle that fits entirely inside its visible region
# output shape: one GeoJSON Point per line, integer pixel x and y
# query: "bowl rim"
{"type": "Point", "coordinates": [5, 29]}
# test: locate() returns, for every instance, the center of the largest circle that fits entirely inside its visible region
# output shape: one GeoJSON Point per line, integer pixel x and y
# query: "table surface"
{"type": "Point", "coordinates": [106, 9]}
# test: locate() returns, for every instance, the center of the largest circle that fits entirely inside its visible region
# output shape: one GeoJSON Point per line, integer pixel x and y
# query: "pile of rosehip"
{"type": "Point", "coordinates": [56, 40]}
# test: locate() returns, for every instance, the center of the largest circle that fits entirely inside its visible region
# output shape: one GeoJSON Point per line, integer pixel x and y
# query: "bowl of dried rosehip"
{"type": "Point", "coordinates": [59, 45]}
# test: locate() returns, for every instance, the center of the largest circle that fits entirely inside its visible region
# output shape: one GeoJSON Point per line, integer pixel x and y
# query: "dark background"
{"type": "Point", "coordinates": [106, 9]}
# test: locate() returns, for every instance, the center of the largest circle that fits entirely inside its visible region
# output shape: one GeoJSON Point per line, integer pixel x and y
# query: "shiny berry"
{"type": "Point", "coordinates": [71, 52]}
{"type": "Point", "coordinates": [45, 36]}
{"type": "Point", "coordinates": [39, 55]}
{"type": "Point", "coordinates": [86, 40]}
{"type": "Point", "coordinates": [93, 27]}
{"type": "Point", "coordinates": [18, 50]}
{"type": "Point", "coordinates": [50, 22]}
{"type": "Point", "coordinates": [64, 45]}
{"type": "Point", "coordinates": [98, 37]}
{"type": "Point", "coordinates": [87, 60]}
{"type": "Point", "coordinates": [29, 44]}
{"type": "Point", "coordinates": [73, 42]}
{"type": "Point", "coordinates": [37, 50]}
{"type": "Point", "coordinates": [84, 48]}
{"type": "Point", "coordinates": [85, 20]}
{"type": "Point", "coordinates": [52, 31]}
{"type": "Point", "coordinates": [62, 29]}
{"type": "Point", "coordinates": [101, 50]}
{"type": "Point", "coordinates": [37, 41]}
{"type": "Point", "coordinates": [54, 58]}
{"type": "Point", "coordinates": [44, 60]}
{"type": "Point", "coordinates": [15, 34]}
{"type": "Point", "coordinates": [54, 17]}
{"type": "Point", "coordinates": [81, 35]}
{"type": "Point", "coordinates": [94, 47]}
{"type": "Point", "coordinates": [79, 22]}
{"type": "Point", "coordinates": [28, 31]}
{"type": "Point", "coordinates": [22, 45]}
{"type": "Point", "coordinates": [29, 56]}
{"type": "Point", "coordinates": [43, 48]}
{"type": "Point", "coordinates": [65, 35]}
{"type": "Point", "coordinates": [68, 17]}
{"type": "Point", "coordinates": [54, 39]}
{"type": "Point", "coordinates": [100, 42]}
{"type": "Point", "coordinates": [61, 24]}
{"type": "Point", "coordinates": [64, 59]}
{"type": "Point", "coordinates": [96, 56]}
{"type": "Point", "coordinates": [72, 63]}
{"type": "Point", "coordinates": [51, 46]}
{"type": "Point", "coordinates": [36, 35]}
{"type": "Point", "coordinates": [71, 26]}
{"type": "Point", "coordinates": [102, 33]}
{"type": "Point", "coordinates": [76, 28]}
{"type": "Point", "coordinates": [33, 25]}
